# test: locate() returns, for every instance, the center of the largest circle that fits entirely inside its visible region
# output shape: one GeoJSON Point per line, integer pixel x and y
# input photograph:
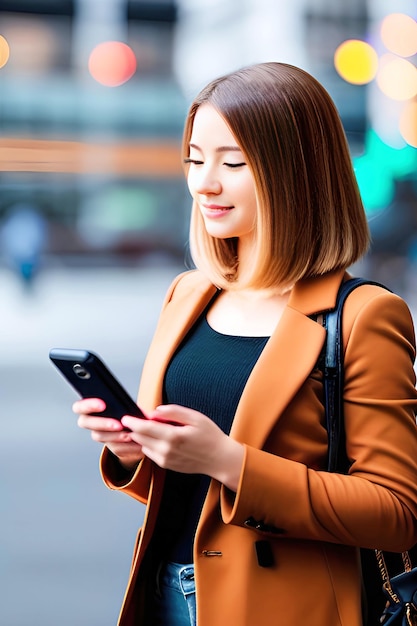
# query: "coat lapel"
{"type": "Point", "coordinates": [190, 298]}
{"type": "Point", "coordinates": [287, 360]}
{"type": "Point", "coordinates": [285, 363]}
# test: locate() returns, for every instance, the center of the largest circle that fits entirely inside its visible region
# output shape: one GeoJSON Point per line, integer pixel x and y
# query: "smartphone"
{"type": "Point", "coordinates": [91, 378]}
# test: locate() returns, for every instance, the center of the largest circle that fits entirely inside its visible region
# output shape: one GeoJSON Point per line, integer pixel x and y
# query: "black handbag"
{"type": "Point", "coordinates": [394, 603]}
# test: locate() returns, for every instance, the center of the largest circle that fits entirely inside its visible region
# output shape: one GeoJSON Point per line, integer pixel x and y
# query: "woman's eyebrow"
{"type": "Point", "coordinates": [219, 149]}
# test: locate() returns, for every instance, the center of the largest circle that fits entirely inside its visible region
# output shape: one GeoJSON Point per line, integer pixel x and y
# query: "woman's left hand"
{"type": "Point", "coordinates": [184, 440]}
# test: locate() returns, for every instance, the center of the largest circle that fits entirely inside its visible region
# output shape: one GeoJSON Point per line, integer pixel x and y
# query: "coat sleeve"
{"type": "Point", "coordinates": [375, 505]}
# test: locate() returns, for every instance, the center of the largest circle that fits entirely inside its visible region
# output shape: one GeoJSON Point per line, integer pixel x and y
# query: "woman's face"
{"type": "Point", "coordinates": [219, 179]}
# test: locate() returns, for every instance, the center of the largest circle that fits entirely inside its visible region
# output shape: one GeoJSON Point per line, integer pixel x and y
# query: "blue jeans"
{"type": "Point", "coordinates": [175, 596]}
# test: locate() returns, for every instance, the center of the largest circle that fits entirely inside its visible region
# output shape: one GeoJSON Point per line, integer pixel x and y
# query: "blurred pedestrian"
{"type": "Point", "coordinates": [23, 239]}
{"type": "Point", "coordinates": [243, 524]}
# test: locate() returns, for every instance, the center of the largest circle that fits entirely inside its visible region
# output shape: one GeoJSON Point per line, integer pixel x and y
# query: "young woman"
{"type": "Point", "coordinates": [243, 524]}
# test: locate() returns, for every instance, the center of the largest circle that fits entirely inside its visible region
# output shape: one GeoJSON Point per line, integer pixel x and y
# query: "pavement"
{"type": "Point", "coordinates": [66, 540]}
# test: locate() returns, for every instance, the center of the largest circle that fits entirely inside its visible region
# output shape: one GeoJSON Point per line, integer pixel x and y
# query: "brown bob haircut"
{"type": "Point", "coordinates": [310, 217]}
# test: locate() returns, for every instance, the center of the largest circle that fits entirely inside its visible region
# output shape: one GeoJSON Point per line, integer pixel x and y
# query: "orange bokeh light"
{"type": "Point", "coordinates": [4, 51]}
{"type": "Point", "coordinates": [399, 34]}
{"type": "Point", "coordinates": [397, 77]}
{"type": "Point", "coordinates": [112, 63]}
{"type": "Point", "coordinates": [408, 123]}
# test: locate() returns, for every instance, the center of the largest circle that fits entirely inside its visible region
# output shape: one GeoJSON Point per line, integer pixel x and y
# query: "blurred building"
{"type": "Point", "coordinates": [90, 134]}
{"type": "Point", "coordinates": [303, 32]}
{"type": "Point", "coordinates": [99, 157]}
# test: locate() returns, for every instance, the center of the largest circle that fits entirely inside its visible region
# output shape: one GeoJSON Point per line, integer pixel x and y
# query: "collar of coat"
{"type": "Point", "coordinates": [285, 363]}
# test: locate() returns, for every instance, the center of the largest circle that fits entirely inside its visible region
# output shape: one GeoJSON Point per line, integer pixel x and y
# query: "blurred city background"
{"type": "Point", "coordinates": [93, 226]}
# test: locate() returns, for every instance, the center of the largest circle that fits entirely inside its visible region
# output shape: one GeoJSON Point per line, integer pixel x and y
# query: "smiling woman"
{"type": "Point", "coordinates": [231, 462]}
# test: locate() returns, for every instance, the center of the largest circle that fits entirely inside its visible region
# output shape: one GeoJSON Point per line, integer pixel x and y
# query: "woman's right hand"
{"type": "Point", "coordinates": [108, 431]}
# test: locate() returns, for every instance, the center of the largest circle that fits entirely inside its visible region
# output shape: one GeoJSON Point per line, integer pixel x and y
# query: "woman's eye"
{"type": "Point", "coordinates": [193, 161]}
{"type": "Point", "coordinates": [188, 161]}
{"type": "Point", "coordinates": [234, 165]}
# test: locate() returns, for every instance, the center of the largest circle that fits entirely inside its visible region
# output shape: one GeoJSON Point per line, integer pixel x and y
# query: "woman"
{"type": "Point", "coordinates": [242, 520]}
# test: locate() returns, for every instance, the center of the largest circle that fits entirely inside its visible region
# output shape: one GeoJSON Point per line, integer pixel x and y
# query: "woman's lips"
{"type": "Point", "coordinates": [214, 210]}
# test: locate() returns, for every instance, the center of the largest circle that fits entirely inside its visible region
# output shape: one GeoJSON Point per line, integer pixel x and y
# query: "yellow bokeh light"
{"type": "Point", "coordinates": [399, 34]}
{"type": "Point", "coordinates": [356, 61]}
{"type": "Point", "coordinates": [4, 51]}
{"type": "Point", "coordinates": [408, 123]}
{"type": "Point", "coordinates": [397, 78]}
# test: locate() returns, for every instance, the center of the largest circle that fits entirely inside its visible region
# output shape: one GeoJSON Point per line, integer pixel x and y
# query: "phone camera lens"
{"type": "Point", "coordinates": [81, 371]}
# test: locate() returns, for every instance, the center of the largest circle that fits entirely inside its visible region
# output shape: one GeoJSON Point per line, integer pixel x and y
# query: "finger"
{"type": "Point", "coordinates": [137, 424]}
{"type": "Point", "coordinates": [111, 437]}
{"type": "Point", "coordinates": [175, 415]}
{"type": "Point", "coordinates": [150, 427]}
{"type": "Point", "coordinates": [99, 423]}
{"type": "Point", "coordinates": [89, 405]}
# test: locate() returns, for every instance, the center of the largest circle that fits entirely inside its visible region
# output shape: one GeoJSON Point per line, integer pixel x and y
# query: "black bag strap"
{"type": "Point", "coordinates": [333, 377]}
{"type": "Point", "coordinates": [333, 380]}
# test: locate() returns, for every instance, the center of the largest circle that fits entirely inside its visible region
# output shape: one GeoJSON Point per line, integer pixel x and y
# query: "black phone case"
{"type": "Point", "coordinates": [91, 378]}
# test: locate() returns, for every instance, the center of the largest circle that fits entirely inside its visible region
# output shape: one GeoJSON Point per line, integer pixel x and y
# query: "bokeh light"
{"type": "Point", "coordinates": [408, 123]}
{"type": "Point", "coordinates": [384, 114]}
{"type": "Point", "coordinates": [112, 63]}
{"type": "Point", "coordinates": [399, 34]}
{"type": "Point", "coordinates": [400, 162]}
{"type": "Point", "coordinates": [4, 51]}
{"type": "Point", "coordinates": [378, 168]}
{"type": "Point", "coordinates": [356, 61]}
{"type": "Point", "coordinates": [397, 77]}
{"type": "Point", "coordinates": [375, 182]}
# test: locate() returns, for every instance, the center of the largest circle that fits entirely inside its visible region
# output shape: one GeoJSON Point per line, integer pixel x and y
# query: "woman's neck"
{"type": "Point", "coordinates": [247, 312]}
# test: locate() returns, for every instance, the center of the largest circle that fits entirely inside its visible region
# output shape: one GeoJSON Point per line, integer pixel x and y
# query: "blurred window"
{"type": "Point", "coordinates": [42, 7]}
{"type": "Point", "coordinates": [330, 23]}
{"type": "Point", "coordinates": [338, 8]}
{"type": "Point", "coordinates": [40, 44]}
{"type": "Point", "coordinates": [151, 33]}
{"type": "Point", "coordinates": [327, 24]}
{"type": "Point", "coordinates": [152, 10]}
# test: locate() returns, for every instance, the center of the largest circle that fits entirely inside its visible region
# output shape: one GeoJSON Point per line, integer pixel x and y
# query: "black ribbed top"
{"type": "Point", "coordinates": [207, 373]}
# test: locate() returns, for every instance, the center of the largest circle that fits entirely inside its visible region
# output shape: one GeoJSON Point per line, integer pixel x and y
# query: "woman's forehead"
{"type": "Point", "coordinates": [211, 128]}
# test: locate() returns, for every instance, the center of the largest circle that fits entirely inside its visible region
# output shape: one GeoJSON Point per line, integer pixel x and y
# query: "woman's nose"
{"type": "Point", "coordinates": [207, 182]}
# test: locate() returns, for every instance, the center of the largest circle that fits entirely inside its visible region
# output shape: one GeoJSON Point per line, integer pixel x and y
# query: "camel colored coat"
{"type": "Point", "coordinates": [313, 520]}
